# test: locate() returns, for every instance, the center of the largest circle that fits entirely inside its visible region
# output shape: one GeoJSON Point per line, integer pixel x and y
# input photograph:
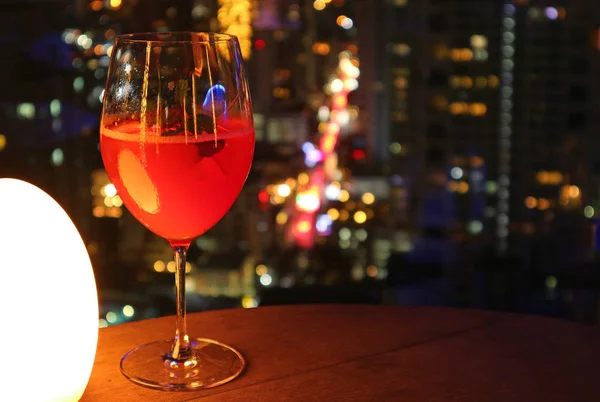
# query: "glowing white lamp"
{"type": "Point", "coordinates": [48, 299]}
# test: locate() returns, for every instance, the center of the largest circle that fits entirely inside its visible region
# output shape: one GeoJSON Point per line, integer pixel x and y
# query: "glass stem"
{"type": "Point", "coordinates": [181, 350]}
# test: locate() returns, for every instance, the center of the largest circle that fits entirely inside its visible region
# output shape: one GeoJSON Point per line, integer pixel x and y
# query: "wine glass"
{"type": "Point", "coordinates": [177, 141]}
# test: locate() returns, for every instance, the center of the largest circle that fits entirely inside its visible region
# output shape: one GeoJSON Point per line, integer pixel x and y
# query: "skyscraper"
{"type": "Point", "coordinates": [554, 118]}
{"type": "Point", "coordinates": [435, 78]}
{"type": "Point", "coordinates": [483, 112]}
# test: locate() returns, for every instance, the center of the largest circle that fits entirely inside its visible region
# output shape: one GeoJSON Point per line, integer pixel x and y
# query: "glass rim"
{"type": "Point", "coordinates": [174, 37]}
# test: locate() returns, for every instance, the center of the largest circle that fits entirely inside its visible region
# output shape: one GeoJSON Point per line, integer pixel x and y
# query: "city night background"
{"type": "Point", "coordinates": [458, 142]}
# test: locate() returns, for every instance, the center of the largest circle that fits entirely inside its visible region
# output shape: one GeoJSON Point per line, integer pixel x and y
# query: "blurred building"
{"type": "Point", "coordinates": [553, 122]}
{"type": "Point", "coordinates": [429, 96]}
{"type": "Point", "coordinates": [483, 114]}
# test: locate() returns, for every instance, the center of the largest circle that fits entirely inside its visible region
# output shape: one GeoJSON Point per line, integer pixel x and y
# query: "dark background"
{"type": "Point", "coordinates": [475, 129]}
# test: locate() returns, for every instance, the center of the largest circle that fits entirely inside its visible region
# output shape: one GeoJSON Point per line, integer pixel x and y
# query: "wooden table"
{"type": "Point", "coordinates": [373, 353]}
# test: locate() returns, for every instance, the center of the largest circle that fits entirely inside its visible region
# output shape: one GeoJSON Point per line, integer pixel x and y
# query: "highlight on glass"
{"type": "Point", "coordinates": [177, 141]}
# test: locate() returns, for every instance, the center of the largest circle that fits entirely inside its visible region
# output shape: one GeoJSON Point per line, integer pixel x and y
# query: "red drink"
{"type": "Point", "coordinates": [178, 186]}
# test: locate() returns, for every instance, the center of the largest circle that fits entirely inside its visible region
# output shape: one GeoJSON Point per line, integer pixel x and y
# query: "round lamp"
{"type": "Point", "coordinates": [48, 299]}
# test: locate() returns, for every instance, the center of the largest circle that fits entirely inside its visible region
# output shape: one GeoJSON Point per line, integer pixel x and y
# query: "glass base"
{"type": "Point", "coordinates": [214, 364]}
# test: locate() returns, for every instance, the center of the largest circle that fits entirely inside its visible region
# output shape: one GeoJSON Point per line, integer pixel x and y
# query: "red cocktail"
{"type": "Point", "coordinates": [178, 186]}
